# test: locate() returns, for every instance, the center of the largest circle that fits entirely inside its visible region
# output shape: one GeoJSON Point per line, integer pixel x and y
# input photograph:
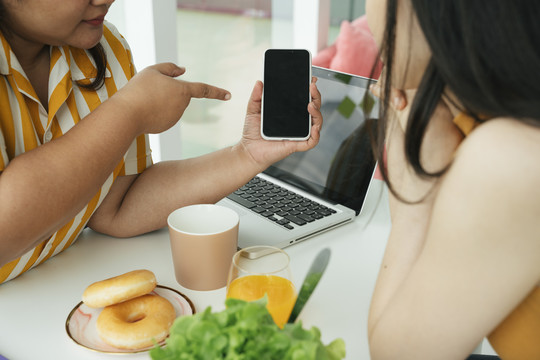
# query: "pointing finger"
{"type": "Point", "coordinates": [202, 90]}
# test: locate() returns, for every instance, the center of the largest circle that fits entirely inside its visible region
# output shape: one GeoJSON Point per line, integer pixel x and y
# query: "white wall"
{"type": "Point", "coordinates": [310, 24]}
{"type": "Point", "coordinates": [149, 26]}
{"type": "Point", "coordinates": [300, 24]}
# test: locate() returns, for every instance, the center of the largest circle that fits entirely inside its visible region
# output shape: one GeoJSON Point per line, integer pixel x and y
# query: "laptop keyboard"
{"type": "Point", "coordinates": [278, 204]}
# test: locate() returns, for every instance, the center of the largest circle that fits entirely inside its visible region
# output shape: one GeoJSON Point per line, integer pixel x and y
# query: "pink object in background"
{"type": "Point", "coordinates": [377, 175]}
{"type": "Point", "coordinates": [354, 51]}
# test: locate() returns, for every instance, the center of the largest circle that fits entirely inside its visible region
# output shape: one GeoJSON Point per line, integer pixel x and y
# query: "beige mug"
{"type": "Point", "coordinates": [204, 238]}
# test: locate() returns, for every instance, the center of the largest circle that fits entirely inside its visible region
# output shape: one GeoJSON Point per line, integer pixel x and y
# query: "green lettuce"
{"type": "Point", "coordinates": [243, 331]}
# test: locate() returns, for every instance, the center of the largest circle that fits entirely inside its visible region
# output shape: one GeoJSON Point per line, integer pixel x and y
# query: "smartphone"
{"type": "Point", "coordinates": [287, 76]}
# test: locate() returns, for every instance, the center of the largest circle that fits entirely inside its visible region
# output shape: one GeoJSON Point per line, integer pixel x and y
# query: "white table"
{"type": "Point", "coordinates": [34, 307]}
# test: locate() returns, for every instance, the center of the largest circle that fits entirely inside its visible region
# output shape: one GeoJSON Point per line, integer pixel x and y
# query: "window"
{"type": "Point", "coordinates": [221, 43]}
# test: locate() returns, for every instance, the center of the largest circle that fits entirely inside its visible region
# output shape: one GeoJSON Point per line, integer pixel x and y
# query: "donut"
{"type": "Point", "coordinates": [119, 288]}
{"type": "Point", "coordinates": [136, 323]}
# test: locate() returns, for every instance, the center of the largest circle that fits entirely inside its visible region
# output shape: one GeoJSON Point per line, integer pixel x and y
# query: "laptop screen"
{"type": "Point", "coordinates": [340, 167]}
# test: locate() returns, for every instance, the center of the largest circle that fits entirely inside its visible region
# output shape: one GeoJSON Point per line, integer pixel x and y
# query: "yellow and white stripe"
{"type": "Point", "coordinates": [25, 124]}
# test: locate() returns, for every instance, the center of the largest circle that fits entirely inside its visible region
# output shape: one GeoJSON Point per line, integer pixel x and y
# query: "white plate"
{"type": "Point", "coordinates": [81, 322]}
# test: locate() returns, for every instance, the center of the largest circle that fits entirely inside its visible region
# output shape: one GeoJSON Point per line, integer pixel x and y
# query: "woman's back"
{"type": "Point", "coordinates": [464, 254]}
{"type": "Point", "coordinates": [516, 337]}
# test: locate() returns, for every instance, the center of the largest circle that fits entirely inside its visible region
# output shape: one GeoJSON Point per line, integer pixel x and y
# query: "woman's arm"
{"type": "Point", "coordinates": [142, 204]}
{"type": "Point", "coordinates": [44, 188]}
{"type": "Point", "coordinates": [410, 221]}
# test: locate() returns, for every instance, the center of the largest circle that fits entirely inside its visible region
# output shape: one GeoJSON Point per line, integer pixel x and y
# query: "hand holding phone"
{"type": "Point", "coordinates": [287, 76]}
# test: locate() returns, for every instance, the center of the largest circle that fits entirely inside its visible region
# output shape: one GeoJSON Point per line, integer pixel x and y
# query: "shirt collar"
{"type": "Point", "coordinates": [5, 56]}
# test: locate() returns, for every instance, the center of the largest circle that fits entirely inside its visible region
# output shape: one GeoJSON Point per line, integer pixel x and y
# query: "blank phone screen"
{"type": "Point", "coordinates": [286, 93]}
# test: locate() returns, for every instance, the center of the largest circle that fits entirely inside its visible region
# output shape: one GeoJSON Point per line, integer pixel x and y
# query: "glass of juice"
{"type": "Point", "coordinates": [259, 270]}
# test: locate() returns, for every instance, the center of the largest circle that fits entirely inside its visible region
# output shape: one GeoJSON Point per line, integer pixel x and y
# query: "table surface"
{"type": "Point", "coordinates": [35, 306]}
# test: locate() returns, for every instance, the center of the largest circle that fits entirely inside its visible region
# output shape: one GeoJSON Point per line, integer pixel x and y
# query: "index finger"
{"type": "Point", "coordinates": [202, 90]}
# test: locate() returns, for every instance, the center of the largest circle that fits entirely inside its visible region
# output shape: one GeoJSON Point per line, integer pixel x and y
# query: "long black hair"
{"type": "Point", "coordinates": [97, 53]}
{"type": "Point", "coordinates": [487, 52]}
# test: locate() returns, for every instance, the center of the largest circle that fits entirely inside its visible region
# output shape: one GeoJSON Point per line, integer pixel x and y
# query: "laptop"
{"type": "Point", "coordinates": [311, 192]}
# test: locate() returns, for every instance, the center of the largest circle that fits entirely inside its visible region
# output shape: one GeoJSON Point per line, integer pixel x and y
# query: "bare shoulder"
{"type": "Point", "coordinates": [491, 195]}
{"type": "Point", "coordinates": [496, 169]}
{"type": "Point", "coordinates": [504, 149]}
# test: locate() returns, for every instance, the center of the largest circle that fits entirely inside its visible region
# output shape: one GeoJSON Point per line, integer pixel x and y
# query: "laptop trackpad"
{"type": "Point", "coordinates": [259, 231]}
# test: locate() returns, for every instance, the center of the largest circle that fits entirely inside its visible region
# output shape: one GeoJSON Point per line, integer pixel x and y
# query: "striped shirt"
{"type": "Point", "coordinates": [25, 124]}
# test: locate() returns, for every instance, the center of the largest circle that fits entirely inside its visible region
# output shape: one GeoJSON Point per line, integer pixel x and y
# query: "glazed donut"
{"type": "Point", "coordinates": [119, 288]}
{"type": "Point", "coordinates": [136, 323]}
